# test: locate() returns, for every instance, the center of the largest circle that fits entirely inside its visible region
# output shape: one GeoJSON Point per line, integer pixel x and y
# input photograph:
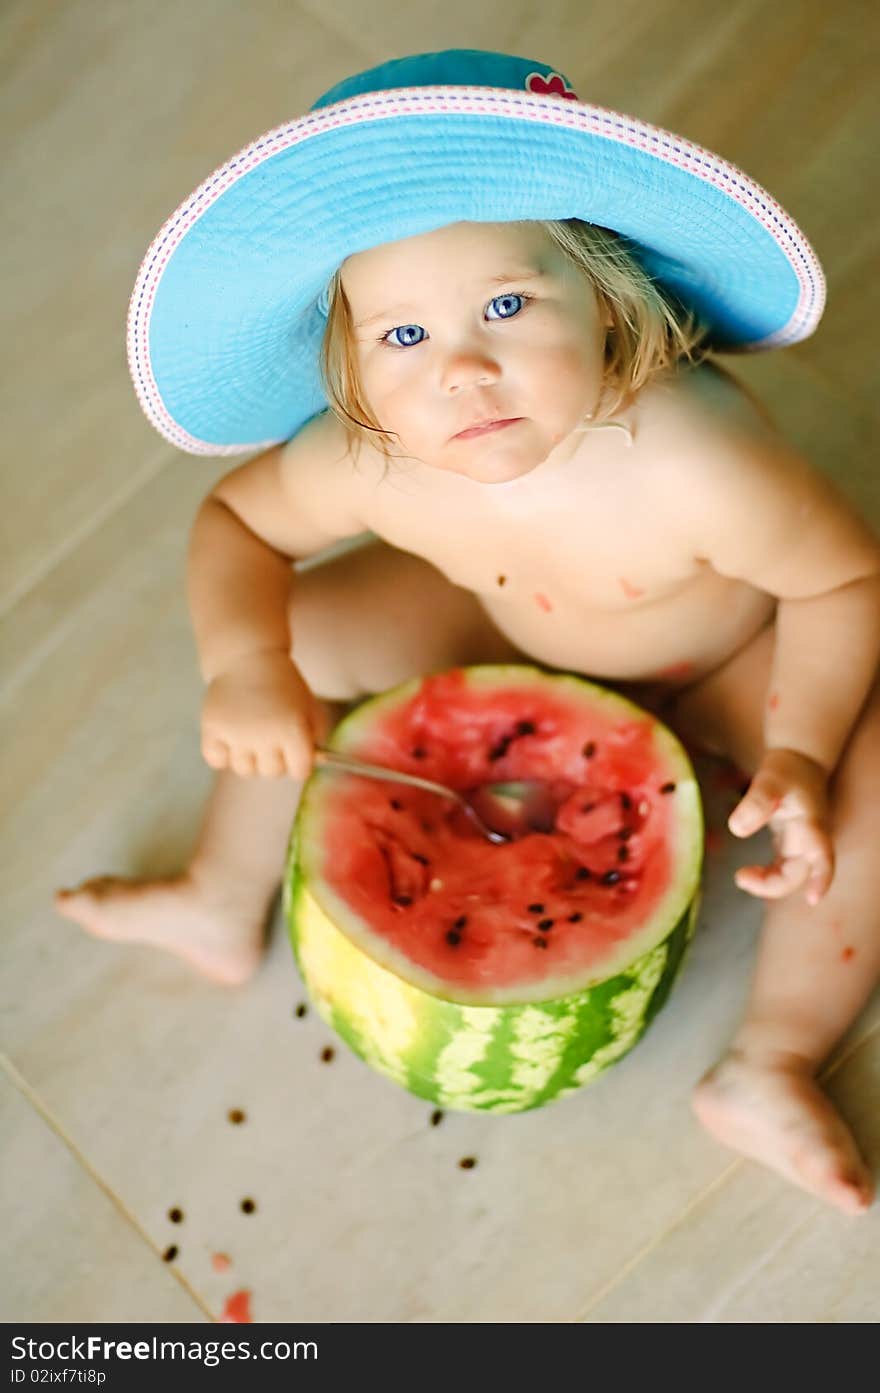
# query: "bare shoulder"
{"type": "Point", "coordinates": [304, 494]}
{"type": "Point", "coordinates": [748, 501]}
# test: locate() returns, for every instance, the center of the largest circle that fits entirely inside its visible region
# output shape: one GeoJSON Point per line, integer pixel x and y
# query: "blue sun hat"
{"type": "Point", "coordinates": [229, 307]}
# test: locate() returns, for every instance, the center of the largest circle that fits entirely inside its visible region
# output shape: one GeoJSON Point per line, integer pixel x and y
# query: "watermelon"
{"type": "Point", "coordinates": [496, 977]}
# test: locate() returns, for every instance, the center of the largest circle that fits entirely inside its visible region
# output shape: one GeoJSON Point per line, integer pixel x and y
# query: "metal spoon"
{"type": "Point", "coordinates": [526, 802]}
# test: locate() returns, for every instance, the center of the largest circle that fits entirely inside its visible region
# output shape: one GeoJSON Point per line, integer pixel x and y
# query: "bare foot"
{"type": "Point", "coordinates": [776, 1113]}
{"type": "Point", "coordinates": [221, 939]}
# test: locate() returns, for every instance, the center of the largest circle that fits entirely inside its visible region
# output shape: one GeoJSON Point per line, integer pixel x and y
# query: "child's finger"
{"type": "Point", "coordinates": [215, 753]}
{"type": "Point", "coordinates": [755, 809]}
{"type": "Point", "coordinates": [773, 882]}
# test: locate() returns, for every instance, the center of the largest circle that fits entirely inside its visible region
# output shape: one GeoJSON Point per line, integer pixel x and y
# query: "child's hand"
{"type": "Point", "coordinates": [789, 792]}
{"type": "Point", "coordinates": [260, 718]}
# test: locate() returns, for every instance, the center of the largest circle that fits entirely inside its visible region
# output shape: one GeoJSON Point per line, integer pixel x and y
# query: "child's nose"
{"type": "Point", "coordinates": [468, 369]}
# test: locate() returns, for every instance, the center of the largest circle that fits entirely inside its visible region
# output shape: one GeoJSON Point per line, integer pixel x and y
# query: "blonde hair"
{"type": "Point", "coordinates": [650, 335]}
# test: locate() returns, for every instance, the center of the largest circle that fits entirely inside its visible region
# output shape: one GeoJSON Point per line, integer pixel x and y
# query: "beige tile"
{"type": "Point", "coordinates": [112, 116]}
{"type": "Point", "coordinates": [69, 1252]}
{"type": "Point", "coordinates": [757, 1251]}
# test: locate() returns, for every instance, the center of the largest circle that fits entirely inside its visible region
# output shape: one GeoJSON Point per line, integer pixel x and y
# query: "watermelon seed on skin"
{"type": "Point", "coordinates": [467, 1163]}
{"type": "Point", "coordinates": [327, 1054]}
{"type": "Point", "coordinates": [247, 1206]}
{"type": "Point", "coordinates": [176, 1216]}
{"type": "Point", "coordinates": [301, 1009]}
{"type": "Point", "coordinates": [170, 1254]}
{"type": "Point", "coordinates": [436, 1117]}
{"type": "Point", "coordinates": [235, 1116]}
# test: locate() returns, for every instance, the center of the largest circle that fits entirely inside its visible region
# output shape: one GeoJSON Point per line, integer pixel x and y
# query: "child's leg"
{"type": "Point", "coordinates": [817, 966]}
{"type": "Point", "coordinates": [359, 624]}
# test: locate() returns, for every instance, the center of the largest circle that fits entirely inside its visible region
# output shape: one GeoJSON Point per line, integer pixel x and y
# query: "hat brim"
{"type": "Point", "coordinates": [225, 326]}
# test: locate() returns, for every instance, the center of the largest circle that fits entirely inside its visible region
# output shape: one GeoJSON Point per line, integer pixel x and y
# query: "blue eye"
{"type": "Point", "coordinates": [404, 329]}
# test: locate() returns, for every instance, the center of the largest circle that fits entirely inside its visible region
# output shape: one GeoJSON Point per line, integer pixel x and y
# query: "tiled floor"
{"type": "Point", "coordinates": [123, 1067]}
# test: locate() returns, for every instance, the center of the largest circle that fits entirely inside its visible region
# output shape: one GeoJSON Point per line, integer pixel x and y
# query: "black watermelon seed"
{"type": "Point", "coordinates": [467, 1163]}
{"type": "Point", "coordinates": [582, 873]}
{"type": "Point", "coordinates": [667, 788]}
{"type": "Point", "coordinates": [626, 801]}
{"type": "Point", "coordinates": [610, 877]}
{"type": "Point", "coordinates": [436, 1117]}
{"type": "Point", "coordinates": [625, 833]}
{"type": "Point", "coordinates": [176, 1216]}
{"type": "Point", "coordinates": [500, 750]}
{"type": "Point", "coordinates": [301, 1009]}
{"type": "Point", "coordinates": [540, 942]}
{"type": "Point", "coordinates": [588, 807]}
{"type": "Point", "coordinates": [396, 805]}
{"type": "Point", "coordinates": [419, 753]}
{"type": "Point", "coordinates": [589, 749]}
{"type": "Point", "coordinates": [453, 938]}
{"type": "Point", "coordinates": [460, 922]}
{"type": "Point", "coordinates": [623, 853]}
{"type": "Point", "coordinates": [575, 918]}
{"type": "Point", "coordinates": [170, 1254]}
{"type": "Point", "coordinates": [247, 1206]}
{"type": "Point", "coordinates": [327, 1054]}
{"type": "Point", "coordinates": [423, 860]}
{"type": "Point", "coordinates": [536, 909]}
{"type": "Point", "coordinates": [403, 900]}
{"type": "Point", "coordinates": [235, 1116]}
{"type": "Point", "coordinates": [525, 728]}
{"type": "Point", "coordinates": [545, 923]}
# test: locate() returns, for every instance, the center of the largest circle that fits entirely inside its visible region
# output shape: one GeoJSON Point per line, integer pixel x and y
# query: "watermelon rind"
{"type": "Point", "coordinates": [501, 1052]}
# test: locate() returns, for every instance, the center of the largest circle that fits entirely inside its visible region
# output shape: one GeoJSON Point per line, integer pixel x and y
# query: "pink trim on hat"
{"type": "Point", "coordinates": [478, 101]}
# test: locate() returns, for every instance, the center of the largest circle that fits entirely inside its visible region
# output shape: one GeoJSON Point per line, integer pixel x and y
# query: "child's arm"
{"type": "Point", "coordinates": [758, 512]}
{"type": "Point", "coordinates": [259, 717]}
{"type": "Point", "coordinates": [284, 505]}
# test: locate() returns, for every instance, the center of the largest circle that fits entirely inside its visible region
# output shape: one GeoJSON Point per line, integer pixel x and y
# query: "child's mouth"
{"type": "Point", "coordinates": [485, 430]}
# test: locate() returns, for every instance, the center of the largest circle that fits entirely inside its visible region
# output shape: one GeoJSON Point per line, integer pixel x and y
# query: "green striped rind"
{"type": "Point", "coordinates": [477, 1058]}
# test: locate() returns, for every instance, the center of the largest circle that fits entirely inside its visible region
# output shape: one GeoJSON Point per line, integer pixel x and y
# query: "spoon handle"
{"type": "Point", "coordinates": [378, 771]}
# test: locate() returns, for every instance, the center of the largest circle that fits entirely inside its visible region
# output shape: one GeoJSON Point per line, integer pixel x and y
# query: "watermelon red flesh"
{"type": "Point", "coordinates": [445, 907]}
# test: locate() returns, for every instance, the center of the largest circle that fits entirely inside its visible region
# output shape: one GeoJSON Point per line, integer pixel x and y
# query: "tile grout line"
{"type": "Point", "coordinates": [66, 548]}
{"type": "Point", "coordinates": [23, 1087]}
{"type": "Point", "coordinates": [658, 1238]}
{"type": "Point", "coordinates": [704, 1194]}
